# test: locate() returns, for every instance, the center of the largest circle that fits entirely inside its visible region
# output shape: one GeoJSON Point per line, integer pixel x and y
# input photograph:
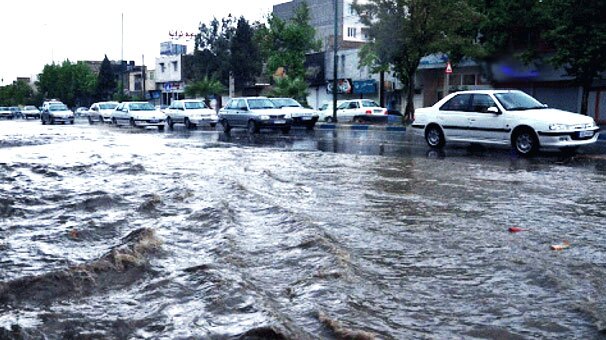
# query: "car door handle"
{"type": "Point", "coordinates": [472, 120]}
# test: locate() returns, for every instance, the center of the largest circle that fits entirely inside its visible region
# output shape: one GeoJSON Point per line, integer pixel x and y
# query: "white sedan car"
{"type": "Point", "coordinates": [190, 112]}
{"type": "Point", "coordinates": [505, 117]}
{"type": "Point", "coordinates": [356, 110]}
{"type": "Point", "coordinates": [300, 115]}
{"type": "Point", "coordinates": [138, 114]}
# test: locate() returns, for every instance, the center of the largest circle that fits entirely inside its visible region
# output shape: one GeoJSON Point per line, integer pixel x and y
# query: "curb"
{"type": "Point", "coordinates": [360, 127]}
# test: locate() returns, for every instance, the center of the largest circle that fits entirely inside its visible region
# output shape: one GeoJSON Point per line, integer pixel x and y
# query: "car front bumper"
{"type": "Point", "coordinates": [568, 139]}
{"type": "Point", "coordinates": [274, 123]}
{"type": "Point", "coordinates": [305, 120]}
{"type": "Point", "coordinates": [204, 120]}
{"type": "Point", "coordinates": [149, 122]}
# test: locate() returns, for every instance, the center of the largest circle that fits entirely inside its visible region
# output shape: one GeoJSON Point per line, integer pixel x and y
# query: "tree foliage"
{"type": "Point", "coordinates": [285, 43]}
{"type": "Point", "coordinates": [404, 31]}
{"type": "Point", "coordinates": [578, 36]}
{"type": "Point", "coordinates": [204, 88]}
{"type": "Point", "coordinates": [212, 53]}
{"type": "Point", "coordinates": [295, 88]}
{"type": "Point", "coordinates": [106, 81]}
{"type": "Point", "coordinates": [18, 93]}
{"type": "Point", "coordinates": [73, 84]}
{"type": "Point", "coordinates": [245, 58]}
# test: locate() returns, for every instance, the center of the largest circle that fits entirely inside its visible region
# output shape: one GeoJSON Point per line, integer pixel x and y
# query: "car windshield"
{"type": "Point", "coordinates": [285, 102]}
{"type": "Point", "coordinates": [142, 107]}
{"type": "Point", "coordinates": [260, 104]}
{"type": "Point", "coordinates": [107, 106]}
{"type": "Point", "coordinates": [195, 105]}
{"type": "Point", "coordinates": [517, 101]}
{"type": "Point", "coordinates": [369, 103]}
{"type": "Point", "coordinates": [57, 107]}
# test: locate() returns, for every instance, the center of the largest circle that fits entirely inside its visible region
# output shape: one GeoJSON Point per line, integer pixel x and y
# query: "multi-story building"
{"type": "Point", "coordinates": [169, 73]}
{"type": "Point", "coordinates": [356, 81]}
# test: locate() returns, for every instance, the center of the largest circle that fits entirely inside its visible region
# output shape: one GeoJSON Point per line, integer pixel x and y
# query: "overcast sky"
{"type": "Point", "coordinates": [36, 32]}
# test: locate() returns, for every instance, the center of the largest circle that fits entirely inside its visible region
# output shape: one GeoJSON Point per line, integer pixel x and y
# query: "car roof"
{"type": "Point", "coordinates": [257, 97]}
{"type": "Point", "coordinates": [488, 91]}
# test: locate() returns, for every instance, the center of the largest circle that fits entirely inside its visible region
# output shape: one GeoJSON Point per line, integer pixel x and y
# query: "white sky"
{"type": "Point", "coordinates": [36, 32]}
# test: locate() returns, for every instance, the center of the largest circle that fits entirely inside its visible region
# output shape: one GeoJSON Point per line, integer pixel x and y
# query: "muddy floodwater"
{"type": "Point", "coordinates": [125, 233]}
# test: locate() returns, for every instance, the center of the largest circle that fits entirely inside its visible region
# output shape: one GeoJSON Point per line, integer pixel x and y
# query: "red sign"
{"type": "Point", "coordinates": [448, 68]}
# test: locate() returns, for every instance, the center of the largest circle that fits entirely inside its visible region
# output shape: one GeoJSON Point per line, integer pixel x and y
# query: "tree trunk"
{"type": "Point", "coordinates": [382, 89]}
{"type": "Point", "coordinates": [585, 97]}
{"type": "Point", "coordinates": [410, 94]}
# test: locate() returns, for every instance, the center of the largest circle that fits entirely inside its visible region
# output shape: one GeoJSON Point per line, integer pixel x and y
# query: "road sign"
{"type": "Point", "coordinates": [448, 68]}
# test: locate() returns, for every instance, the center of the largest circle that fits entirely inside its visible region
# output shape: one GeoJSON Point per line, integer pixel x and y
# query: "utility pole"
{"type": "Point", "coordinates": [334, 65]}
{"type": "Point", "coordinates": [143, 74]}
{"type": "Point", "coordinates": [122, 59]}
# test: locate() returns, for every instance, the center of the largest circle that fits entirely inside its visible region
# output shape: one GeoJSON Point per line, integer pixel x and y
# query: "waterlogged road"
{"type": "Point", "coordinates": [122, 233]}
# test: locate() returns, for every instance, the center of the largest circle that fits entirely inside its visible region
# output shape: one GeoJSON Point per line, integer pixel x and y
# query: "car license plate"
{"type": "Point", "coordinates": [279, 122]}
{"type": "Point", "coordinates": [305, 118]}
{"type": "Point", "coordinates": [153, 121]}
{"type": "Point", "coordinates": [585, 134]}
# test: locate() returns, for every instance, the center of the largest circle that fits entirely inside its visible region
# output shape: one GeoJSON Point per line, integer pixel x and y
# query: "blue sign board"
{"type": "Point", "coordinates": [365, 86]}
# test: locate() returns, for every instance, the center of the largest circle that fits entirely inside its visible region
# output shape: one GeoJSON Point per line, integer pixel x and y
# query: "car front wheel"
{"type": "Point", "coordinates": [252, 127]}
{"type": "Point", "coordinates": [226, 126]}
{"type": "Point", "coordinates": [169, 122]}
{"type": "Point", "coordinates": [434, 136]}
{"type": "Point", "coordinates": [525, 142]}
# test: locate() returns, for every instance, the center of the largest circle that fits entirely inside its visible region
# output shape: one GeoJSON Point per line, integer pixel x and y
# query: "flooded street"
{"type": "Point", "coordinates": [126, 233]}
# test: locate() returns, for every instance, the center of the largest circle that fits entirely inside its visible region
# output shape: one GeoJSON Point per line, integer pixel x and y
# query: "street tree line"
{"type": "Point", "coordinates": [566, 33]}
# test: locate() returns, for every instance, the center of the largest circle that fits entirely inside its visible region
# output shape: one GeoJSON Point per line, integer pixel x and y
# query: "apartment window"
{"type": "Point", "coordinates": [152, 75]}
{"type": "Point", "coordinates": [162, 68]}
{"type": "Point", "coordinates": [352, 32]}
{"type": "Point", "coordinates": [175, 64]}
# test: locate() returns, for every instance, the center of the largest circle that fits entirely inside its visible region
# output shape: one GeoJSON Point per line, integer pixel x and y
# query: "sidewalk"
{"type": "Point", "coordinates": [360, 127]}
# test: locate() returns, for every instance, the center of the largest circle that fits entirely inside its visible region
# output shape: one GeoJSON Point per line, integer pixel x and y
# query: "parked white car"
{"type": "Point", "coordinates": [355, 110]}
{"type": "Point", "coordinates": [101, 112]}
{"type": "Point", "coordinates": [505, 117]}
{"type": "Point", "coordinates": [190, 112]}
{"type": "Point", "coordinates": [300, 115]}
{"type": "Point", "coordinates": [138, 114]}
{"type": "Point", "coordinates": [30, 111]}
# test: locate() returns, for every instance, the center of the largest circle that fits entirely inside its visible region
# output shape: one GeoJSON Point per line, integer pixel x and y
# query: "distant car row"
{"type": "Point", "coordinates": [16, 112]}
{"type": "Point", "coordinates": [251, 113]}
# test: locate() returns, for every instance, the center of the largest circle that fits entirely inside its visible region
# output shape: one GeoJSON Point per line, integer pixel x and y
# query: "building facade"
{"type": "Point", "coordinates": [355, 81]}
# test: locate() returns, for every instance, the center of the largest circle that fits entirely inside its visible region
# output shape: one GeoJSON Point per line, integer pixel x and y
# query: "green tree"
{"type": "Point", "coordinates": [295, 88]}
{"type": "Point", "coordinates": [578, 36]}
{"type": "Point", "coordinates": [212, 52]}
{"type": "Point", "coordinates": [404, 31]}
{"type": "Point", "coordinates": [245, 57]}
{"type": "Point", "coordinates": [73, 84]}
{"type": "Point", "coordinates": [204, 88]}
{"type": "Point", "coordinates": [285, 43]}
{"type": "Point", "coordinates": [106, 81]}
{"type": "Point", "coordinates": [18, 93]}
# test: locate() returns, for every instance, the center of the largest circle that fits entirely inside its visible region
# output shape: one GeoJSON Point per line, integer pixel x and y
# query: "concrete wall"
{"type": "Point", "coordinates": [166, 70]}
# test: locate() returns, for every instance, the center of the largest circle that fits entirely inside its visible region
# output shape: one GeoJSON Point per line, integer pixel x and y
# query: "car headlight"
{"type": "Point", "coordinates": [559, 127]}
{"type": "Point", "coordinates": [264, 117]}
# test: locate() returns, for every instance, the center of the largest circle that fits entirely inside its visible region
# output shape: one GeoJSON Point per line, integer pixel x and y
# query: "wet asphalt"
{"type": "Point", "coordinates": [128, 233]}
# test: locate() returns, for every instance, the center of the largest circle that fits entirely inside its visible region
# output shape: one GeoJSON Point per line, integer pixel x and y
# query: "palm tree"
{"type": "Point", "coordinates": [204, 88]}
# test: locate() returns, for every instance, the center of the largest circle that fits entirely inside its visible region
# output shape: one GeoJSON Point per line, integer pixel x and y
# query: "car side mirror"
{"type": "Point", "coordinates": [493, 109]}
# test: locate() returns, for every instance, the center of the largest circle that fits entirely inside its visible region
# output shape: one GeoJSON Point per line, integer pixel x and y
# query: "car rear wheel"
{"type": "Point", "coordinates": [160, 127]}
{"type": "Point", "coordinates": [132, 123]}
{"type": "Point", "coordinates": [525, 142]}
{"type": "Point", "coordinates": [169, 122]}
{"type": "Point", "coordinates": [434, 136]}
{"type": "Point", "coordinates": [114, 121]}
{"type": "Point", "coordinates": [252, 127]}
